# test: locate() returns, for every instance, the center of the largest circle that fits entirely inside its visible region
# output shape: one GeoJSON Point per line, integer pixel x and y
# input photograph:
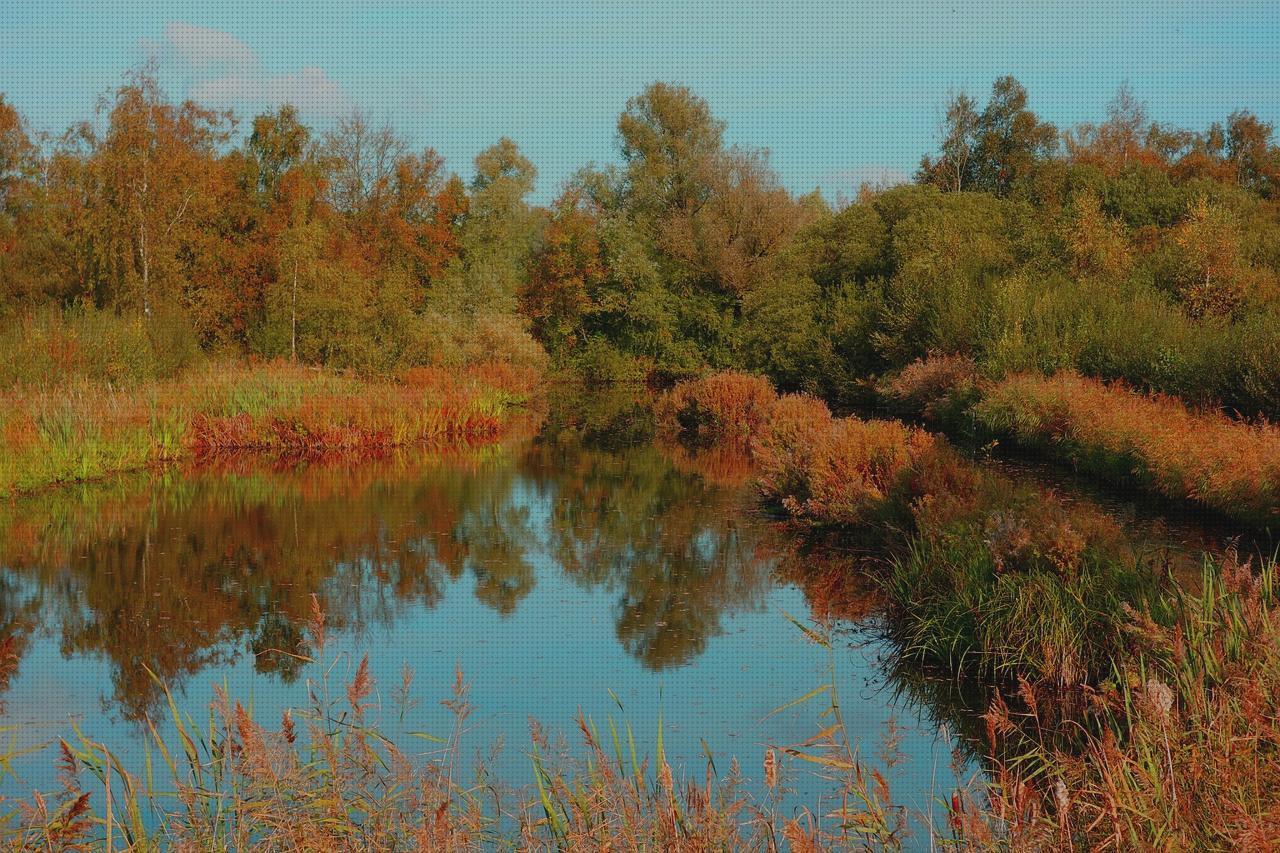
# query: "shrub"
{"type": "Point", "coordinates": [938, 388]}
{"type": "Point", "coordinates": [52, 346]}
{"type": "Point", "coordinates": [724, 407]}
{"type": "Point", "coordinates": [857, 467]}
{"type": "Point", "coordinates": [786, 445]}
{"type": "Point", "coordinates": [1153, 440]}
{"type": "Point", "coordinates": [834, 471]}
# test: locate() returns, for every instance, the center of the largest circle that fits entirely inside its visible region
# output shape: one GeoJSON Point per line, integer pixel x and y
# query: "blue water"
{"type": "Point", "coordinates": [556, 578]}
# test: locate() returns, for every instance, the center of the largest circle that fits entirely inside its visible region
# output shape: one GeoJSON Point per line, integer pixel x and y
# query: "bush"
{"type": "Point", "coordinates": [724, 407]}
{"type": "Point", "coordinates": [52, 346]}
{"type": "Point", "coordinates": [786, 445]}
{"type": "Point", "coordinates": [939, 388]}
{"type": "Point", "coordinates": [834, 471]}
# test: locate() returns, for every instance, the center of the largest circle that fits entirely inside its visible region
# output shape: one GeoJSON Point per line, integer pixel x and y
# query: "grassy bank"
{"type": "Point", "coordinates": [1129, 712]}
{"type": "Point", "coordinates": [1152, 442]}
{"type": "Point", "coordinates": [84, 429]}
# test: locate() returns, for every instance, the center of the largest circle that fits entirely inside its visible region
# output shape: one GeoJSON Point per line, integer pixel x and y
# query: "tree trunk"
{"type": "Point", "coordinates": [293, 316]}
{"type": "Point", "coordinates": [146, 268]}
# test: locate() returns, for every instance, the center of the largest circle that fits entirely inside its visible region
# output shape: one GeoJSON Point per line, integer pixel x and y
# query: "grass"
{"type": "Point", "coordinates": [1108, 431]}
{"type": "Point", "coordinates": [1117, 434]}
{"type": "Point", "coordinates": [84, 430]}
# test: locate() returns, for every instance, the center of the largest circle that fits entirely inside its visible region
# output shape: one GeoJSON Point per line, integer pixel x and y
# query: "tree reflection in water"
{"type": "Point", "coordinates": [189, 570]}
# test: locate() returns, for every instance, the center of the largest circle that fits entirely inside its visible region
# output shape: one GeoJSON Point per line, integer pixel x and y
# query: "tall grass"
{"type": "Point", "coordinates": [84, 430]}
{"type": "Point", "coordinates": [1153, 441]}
{"type": "Point", "coordinates": [1109, 431]}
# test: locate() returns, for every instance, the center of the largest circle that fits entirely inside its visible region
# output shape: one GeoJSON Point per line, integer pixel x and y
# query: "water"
{"type": "Point", "coordinates": [557, 574]}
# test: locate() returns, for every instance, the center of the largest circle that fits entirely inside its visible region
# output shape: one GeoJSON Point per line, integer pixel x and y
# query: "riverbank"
{"type": "Point", "coordinates": [84, 430]}
{"type": "Point", "coordinates": [1152, 442]}
{"type": "Point", "coordinates": [1118, 698]}
{"type": "Point", "coordinates": [1126, 710]}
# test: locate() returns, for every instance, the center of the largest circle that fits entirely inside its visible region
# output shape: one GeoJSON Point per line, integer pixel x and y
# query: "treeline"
{"type": "Point", "coordinates": [344, 248]}
{"type": "Point", "coordinates": [1128, 249]}
{"type": "Point", "coordinates": [1124, 250]}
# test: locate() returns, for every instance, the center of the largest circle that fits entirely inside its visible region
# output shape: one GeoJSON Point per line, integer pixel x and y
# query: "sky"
{"type": "Point", "coordinates": [840, 93]}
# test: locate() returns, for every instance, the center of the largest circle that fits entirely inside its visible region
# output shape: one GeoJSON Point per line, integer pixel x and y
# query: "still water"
{"type": "Point", "coordinates": [557, 574]}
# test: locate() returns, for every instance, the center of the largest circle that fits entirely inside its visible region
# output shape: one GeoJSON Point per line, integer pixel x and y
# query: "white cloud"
{"type": "Point", "coordinates": [224, 72]}
{"type": "Point", "coordinates": [202, 47]}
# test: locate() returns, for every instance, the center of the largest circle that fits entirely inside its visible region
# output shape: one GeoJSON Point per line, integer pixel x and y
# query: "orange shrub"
{"type": "Point", "coordinates": [786, 444]}
{"type": "Point", "coordinates": [932, 387]}
{"type": "Point", "coordinates": [1118, 433]}
{"type": "Point", "coordinates": [832, 470]}
{"type": "Point", "coordinates": [858, 465]}
{"type": "Point", "coordinates": [728, 406]}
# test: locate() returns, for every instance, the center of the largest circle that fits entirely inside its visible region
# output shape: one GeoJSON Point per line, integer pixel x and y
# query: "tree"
{"type": "Point", "coordinates": [19, 168]}
{"type": "Point", "coordinates": [496, 239]}
{"type": "Point", "coordinates": [301, 243]}
{"type": "Point", "coordinates": [361, 161]}
{"type": "Point", "coordinates": [566, 273]}
{"type": "Point", "coordinates": [278, 143]}
{"type": "Point", "coordinates": [1122, 141]}
{"type": "Point", "coordinates": [1010, 138]}
{"type": "Point", "coordinates": [1095, 243]}
{"type": "Point", "coordinates": [426, 215]}
{"type": "Point", "coordinates": [1211, 273]}
{"type": "Point", "coordinates": [672, 146]}
{"type": "Point", "coordinates": [1249, 150]}
{"type": "Point", "coordinates": [992, 150]}
{"type": "Point", "coordinates": [157, 161]}
{"type": "Point", "coordinates": [953, 170]}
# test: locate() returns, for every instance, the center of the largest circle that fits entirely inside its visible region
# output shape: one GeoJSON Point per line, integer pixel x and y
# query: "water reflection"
{"type": "Point", "coordinates": [189, 571]}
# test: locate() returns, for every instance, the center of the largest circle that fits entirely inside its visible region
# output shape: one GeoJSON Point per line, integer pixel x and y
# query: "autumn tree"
{"type": "Point", "coordinates": [1122, 140]}
{"type": "Point", "coordinates": [1211, 274]}
{"type": "Point", "coordinates": [1094, 242]}
{"type": "Point", "coordinates": [157, 162]}
{"type": "Point", "coordinates": [361, 161]}
{"type": "Point", "coordinates": [953, 169]}
{"type": "Point", "coordinates": [425, 217]}
{"type": "Point", "coordinates": [566, 273]}
{"type": "Point", "coordinates": [1255, 160]}
{"type": "Point", "coordinates": [19, 198]}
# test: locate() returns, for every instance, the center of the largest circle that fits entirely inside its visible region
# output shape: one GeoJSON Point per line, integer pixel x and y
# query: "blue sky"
{"type": "Point", "coordinates": [839, 92]}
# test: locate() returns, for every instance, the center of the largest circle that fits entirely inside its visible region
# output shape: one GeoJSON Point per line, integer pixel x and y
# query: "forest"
{"type": "Point", "coordinates": [156, 234]}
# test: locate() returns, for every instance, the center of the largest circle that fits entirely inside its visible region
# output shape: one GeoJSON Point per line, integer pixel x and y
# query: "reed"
{"type": "Point", "coordinates": [1153, 441]}
{"type": "Point", "coordinates": [86, 430]}
{"type": "Point", "coordinates": [1109, 431]}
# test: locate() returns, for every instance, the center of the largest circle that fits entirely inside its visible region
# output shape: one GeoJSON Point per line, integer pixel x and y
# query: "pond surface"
{"type": "Point", "coordinates": [634, 582]}
{"type": "Point", "coordinates": [582, 569]}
